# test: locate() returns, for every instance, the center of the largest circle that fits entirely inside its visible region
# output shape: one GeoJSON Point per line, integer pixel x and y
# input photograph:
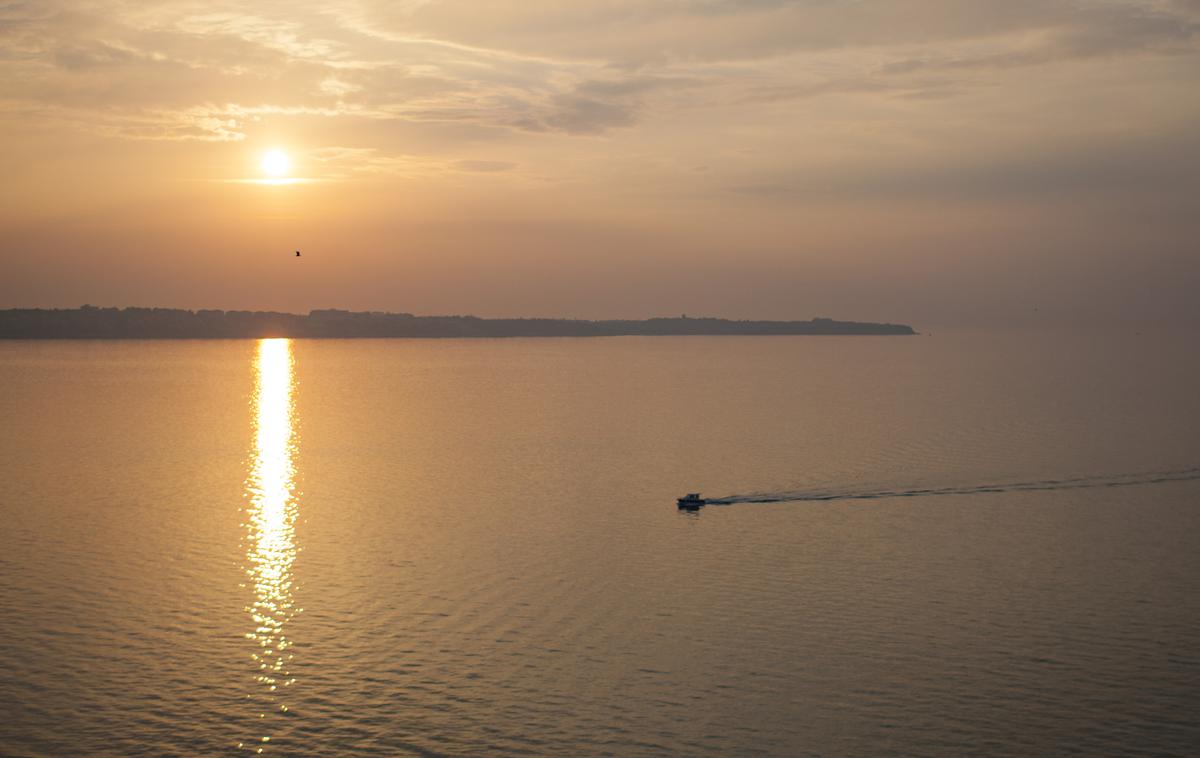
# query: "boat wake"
{"type": "Point", "coordinates": [1119, 480]}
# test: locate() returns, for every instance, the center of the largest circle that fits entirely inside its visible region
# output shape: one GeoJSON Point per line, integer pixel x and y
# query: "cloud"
{"type": "Point", "coordinates": [488, 167]}
{"type": "Point", "coordinates": [413, 77]}
{"type": "Point", "coordinates": [1113, 32]}
{"type": "Point", "coordinates": [536, 65]}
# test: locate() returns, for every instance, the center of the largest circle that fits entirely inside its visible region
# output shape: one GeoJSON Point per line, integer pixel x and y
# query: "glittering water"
{"type": "Point", "coordinates": [973, 544]}
{"type": "Point", "coordinates": [270, 527]}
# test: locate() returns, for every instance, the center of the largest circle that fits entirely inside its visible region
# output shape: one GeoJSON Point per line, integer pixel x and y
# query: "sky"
{"type": "Point", "coordinates": [930, 162]}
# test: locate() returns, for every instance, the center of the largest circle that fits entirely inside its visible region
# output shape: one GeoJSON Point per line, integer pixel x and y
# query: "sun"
{"type": "Point", "coordinates": [276, 163]}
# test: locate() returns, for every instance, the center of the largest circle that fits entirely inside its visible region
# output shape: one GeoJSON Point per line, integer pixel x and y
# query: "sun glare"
{"type": "Point", "coordinates": [271, 521]}
{"type": "Point", "coordinates": [276, 163]}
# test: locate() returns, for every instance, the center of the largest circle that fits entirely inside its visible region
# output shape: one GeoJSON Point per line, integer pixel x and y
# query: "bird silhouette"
{"type": "Point", "coordinates": [297, 253]}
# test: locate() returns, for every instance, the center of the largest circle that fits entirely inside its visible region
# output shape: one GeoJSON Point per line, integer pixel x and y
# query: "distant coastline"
{"type": "Point", "coordinates": [91, 322]}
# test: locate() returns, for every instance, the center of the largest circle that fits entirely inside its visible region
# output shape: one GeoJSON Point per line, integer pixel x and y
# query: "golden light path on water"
{"type": "Point", "coordinates": [270, 526]}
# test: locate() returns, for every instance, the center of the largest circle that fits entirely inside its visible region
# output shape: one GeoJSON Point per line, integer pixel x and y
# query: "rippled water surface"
{"type": "Point", "coordinates": [967, 544]}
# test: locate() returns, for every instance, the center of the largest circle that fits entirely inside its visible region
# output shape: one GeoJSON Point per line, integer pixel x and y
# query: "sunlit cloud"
{"type": "Point", "coordinates": [274, 181]}
{"type": "Point", "coordinates": [171, 72]}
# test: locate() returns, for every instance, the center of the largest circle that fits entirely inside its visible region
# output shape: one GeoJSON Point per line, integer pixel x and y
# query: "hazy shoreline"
{"type": "Point", "coordinates": [90, 322]}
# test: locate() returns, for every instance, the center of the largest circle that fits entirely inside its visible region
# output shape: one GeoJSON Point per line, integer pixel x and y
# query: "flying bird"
{"type": "Point", "coordinates": [297, 253]}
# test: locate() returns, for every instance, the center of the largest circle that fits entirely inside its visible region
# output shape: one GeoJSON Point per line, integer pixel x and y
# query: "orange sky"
{"type": "Point", "coordinates": [924, 161]}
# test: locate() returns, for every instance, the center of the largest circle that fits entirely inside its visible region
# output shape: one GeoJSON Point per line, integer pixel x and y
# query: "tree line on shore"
{"type": "Point", "coordinates": [91, 322]}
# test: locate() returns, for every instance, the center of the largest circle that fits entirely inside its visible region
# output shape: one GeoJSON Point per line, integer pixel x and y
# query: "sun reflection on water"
{"type": "Point", "coordinates": [270, 526]}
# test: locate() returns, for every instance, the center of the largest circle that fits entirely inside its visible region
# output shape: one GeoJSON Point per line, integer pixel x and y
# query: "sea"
{"type": "Point", "coordinates": [959, 543]}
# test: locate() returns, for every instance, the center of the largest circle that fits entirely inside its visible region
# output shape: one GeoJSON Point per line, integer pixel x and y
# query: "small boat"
{"type": "Point", "coordinates": [691, 501]}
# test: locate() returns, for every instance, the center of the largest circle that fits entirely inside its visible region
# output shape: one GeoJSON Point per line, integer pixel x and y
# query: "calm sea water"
{"type": "Point", "coordinates": [982, 544]}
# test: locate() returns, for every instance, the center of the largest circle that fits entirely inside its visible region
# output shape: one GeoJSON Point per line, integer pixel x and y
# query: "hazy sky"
{"type": "Point", "coordinates": [923, 161]}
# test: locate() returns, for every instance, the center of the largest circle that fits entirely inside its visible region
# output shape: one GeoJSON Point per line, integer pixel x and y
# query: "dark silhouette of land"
{"type": "Point", "coordinates": [90, 322]}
